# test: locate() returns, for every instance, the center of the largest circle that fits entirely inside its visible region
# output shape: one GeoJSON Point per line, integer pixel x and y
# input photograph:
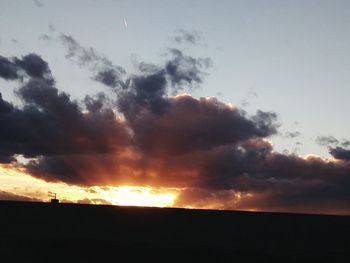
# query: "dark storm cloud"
{"type": "Point", "coordinates": [8, 69]}
{"type": "Point", "coordinates": [189, 124]}
{"type": "Point", "coordinates": [268, 180]}
{"type": "Point", "coordinates": [214, 151]}
{"type": "Point", "coordinates": [62, 127]}
{"type": "Point", "coordinates": [30, 65]}
{"type": "Point", "coordinates": [340, 153]}
{"type": "Point", "coordinates": [6, 158]}
{"type": "Point", "coordinates": [98, 102]}
{"type": "Point", "coordinates": [186, 37]}
{"type": "Point", "coordinates": [103, 68]}
{"type": "Point", "coordinates": [34, 66]}
{"type": "Point", "coordinates": [143, 93]}
{"type": "Point", "coordinates": [161, 127]}
{"type": "Point", "coordinates": [77, 168]}
{"type": "Point", "coordinates": [50, 123]}
{"type": "Point", "coordinates": [326, 192]}
{"type": "Point", "coordinates": [6, 108]}
{"type": "Point", "coordinates": [336, 148]}
{"type": "Point", "coordinates": [254, 166]}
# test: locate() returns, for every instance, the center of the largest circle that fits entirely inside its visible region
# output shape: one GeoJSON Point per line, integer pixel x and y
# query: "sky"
{"type": "Point", "coordinates": [204, 104]}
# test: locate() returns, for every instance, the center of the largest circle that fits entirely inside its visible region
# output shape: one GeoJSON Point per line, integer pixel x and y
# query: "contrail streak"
{"type": "Point", "coordinates": [125, 23]}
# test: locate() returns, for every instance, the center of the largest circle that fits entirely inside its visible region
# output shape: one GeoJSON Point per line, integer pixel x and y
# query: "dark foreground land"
{"type": "Point", "coordinates": [96, 233]}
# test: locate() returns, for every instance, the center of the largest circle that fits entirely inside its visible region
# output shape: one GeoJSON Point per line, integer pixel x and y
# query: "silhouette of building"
{"type": "Point", "coordinates": [54, 200]}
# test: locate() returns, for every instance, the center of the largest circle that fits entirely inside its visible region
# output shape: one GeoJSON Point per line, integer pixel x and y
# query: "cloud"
{"type": "Point", "coordinates": [260, 179]}
{"type": "Point", "coordinates": [98, 201]}
{"type": "Point", "coordinates": [8, 69]}
{"type": "Point", "coordinates": [179, 69]}
{"type": "Point", "coordinates": [336, 148]}
{"type": "Point", "coordinates": [79, 169]}
{"type": "Point", "coordinates": [38, 3]}
{"type": "Point", "coordinates": [186, 37]}
{"type": "Point", "coordinates": [204, 198]}
{"type": "Point", "coordinates": [190, 124]}
{"type": "Point", "coordinates": [185, 69]}
{"type": "Point", "coordinates": [34, 66]}
{"type": "Point", "coordinates": [149, 89]}
{"type": "Point", "coordinates": [52, 27]}
{"type": "Point", "coordinates": [45, 37]}
{"type": "Point", "coordinates": [110, 77]}
{"type": "Point", "coordinates": [291, 134]}
{"type": "Point", "coordinates": [50, 123]}
{"type": "Point", "coordinates": [104, 70]}
{"type": "Point", "coordinates": [216, 153]}
{"type": "Point", "coordinates": [14, 197]}
{"type": "Point", "coordinates": [340, 153]}
{"type": "Point", "coordinates": [326, 140]}
{"type": "Point", "coordinates": [345, 143]}
{"type": "Point", "coordinates": [84, 201]}
{"type": "Point", "coordinates": [31, 65]}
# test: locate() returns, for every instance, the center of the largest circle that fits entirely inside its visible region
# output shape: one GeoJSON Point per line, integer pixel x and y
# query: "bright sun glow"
{"type": "Point", "coordinates": [139, 196]}
{"type": "Point", "coordinates": [27, 186]}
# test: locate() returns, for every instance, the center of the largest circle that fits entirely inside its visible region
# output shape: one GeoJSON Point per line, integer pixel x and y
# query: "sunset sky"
{"type": "Point", "coordinates": [199, 104]}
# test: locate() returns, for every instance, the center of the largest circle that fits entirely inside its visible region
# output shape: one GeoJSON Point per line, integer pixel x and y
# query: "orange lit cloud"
{"type": "Point", "coordinates": [145, 147]}
{"type": "Point", "coordinates": [16, 185]}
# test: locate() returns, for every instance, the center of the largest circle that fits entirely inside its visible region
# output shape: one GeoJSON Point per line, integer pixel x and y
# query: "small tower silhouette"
{"type": "Point", "coordinates": [54, 200]}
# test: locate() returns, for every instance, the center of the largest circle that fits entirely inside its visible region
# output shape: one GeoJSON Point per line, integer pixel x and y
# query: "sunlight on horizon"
{"type": "Point", "coordinates": [140, 196]}
{"type": "Point", "coordinates": [30, 187]}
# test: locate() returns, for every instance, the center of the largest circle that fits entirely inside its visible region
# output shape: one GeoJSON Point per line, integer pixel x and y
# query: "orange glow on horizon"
{"type": "Point", "coordinates": [141, 196]}
{"type": "Point", "coordinates": [15, 184]}
{"type": "Point", "coordinates": [15, 181]}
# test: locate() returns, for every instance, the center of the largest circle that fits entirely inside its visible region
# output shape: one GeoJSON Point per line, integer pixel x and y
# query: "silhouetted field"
{"type": "Point", "coordinates": [100, 233]}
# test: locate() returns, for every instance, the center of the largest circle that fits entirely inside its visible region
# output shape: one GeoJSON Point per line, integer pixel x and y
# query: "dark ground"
{"type": "Point", "coordinates": [99, 233]}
